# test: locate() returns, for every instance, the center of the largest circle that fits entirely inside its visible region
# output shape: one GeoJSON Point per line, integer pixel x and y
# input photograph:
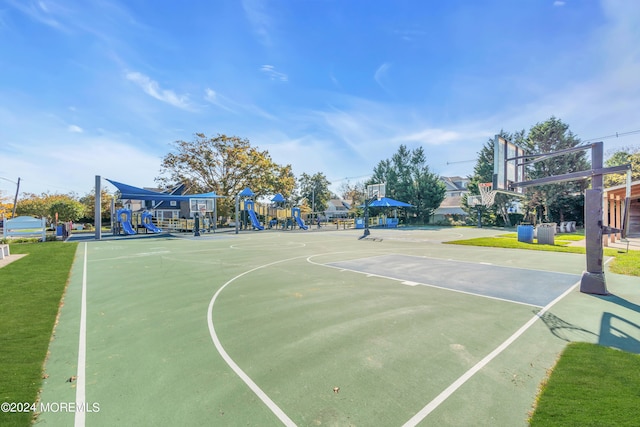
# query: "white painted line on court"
{"type": "Point", "coordinates": [431, 406]}
{"type": "Point", "coordinates": [82, 347]}
{"type": "Point", "coordinates": [410, 283]}
{"type": "Point", "coordinates": [233, 365]}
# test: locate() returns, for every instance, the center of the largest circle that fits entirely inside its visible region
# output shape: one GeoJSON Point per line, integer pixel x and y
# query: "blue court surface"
{"type": "Point", "coordinates": [524, 286]}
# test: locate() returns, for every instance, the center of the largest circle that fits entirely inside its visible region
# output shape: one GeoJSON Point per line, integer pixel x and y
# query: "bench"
{"type": "Point", "coordinates": [4, 251]}
{"type": "Point", "coordinates": [567, 227]}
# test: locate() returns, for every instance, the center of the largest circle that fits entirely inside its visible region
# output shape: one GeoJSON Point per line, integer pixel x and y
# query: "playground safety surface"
{"type": "Point", "coordinates": [320, 328]}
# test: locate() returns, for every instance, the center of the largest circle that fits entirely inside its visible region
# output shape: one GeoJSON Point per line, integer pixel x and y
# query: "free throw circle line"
{"type": "Point", "coordinates": [233, 365]}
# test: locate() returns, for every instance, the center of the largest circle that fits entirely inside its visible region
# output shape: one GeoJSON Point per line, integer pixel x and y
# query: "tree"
{"type": "Point", "coordinates": [89, 202]}
{"type": "Point", "coordinates": [483, 172]}
{"type": "Point", "coordinates": [408, 179]}
{"type": "Point", "coordinates": [623, 156]}
{"type": "Point", "coordinates": [315, 189]}
{"type": "Point", "coordinates": [66, 210]}
{"type": "Point", "coordinates": [226, 165]}
{"type": "Point", "coordinates": [546, 137]}
{"type": "Point", "coordinates": [6, 205]}
{"type": "Point", "coordinates": [47, 205]}
{"type": "Point", "coordinates": [354, 193]}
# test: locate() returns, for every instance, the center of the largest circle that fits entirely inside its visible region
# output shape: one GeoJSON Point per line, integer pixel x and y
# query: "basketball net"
{"type": "Point", "coordinates": [486, 193]}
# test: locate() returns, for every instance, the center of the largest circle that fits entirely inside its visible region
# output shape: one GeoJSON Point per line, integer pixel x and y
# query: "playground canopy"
{"type": "Point", "coordinates": [387, 202]}
{"type": "Point", "coordinates": [278, 198]}
{"type": "Point", "coordinates": [135, 193]}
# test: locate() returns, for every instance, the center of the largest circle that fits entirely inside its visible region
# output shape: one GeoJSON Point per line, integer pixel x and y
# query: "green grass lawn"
{"type": "Point", "coordinates": [627, 263]}
{"type": "Point", "coordinates": [30, 293]}
{"type": "Point", "coordinates": [591, 385]}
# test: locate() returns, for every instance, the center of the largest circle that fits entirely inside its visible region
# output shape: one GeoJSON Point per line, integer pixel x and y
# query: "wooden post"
{"type": "Point", "coordinates": [612, 216]}
{"type": "Point", "coordinates": [605, 218]}
{"type": "Point", "coordinates": [618, 217]}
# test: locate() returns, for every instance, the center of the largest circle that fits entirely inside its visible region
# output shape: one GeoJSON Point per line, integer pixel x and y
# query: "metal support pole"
{"type": "Point", "coordinates": [237, 212]}
{"type": "Point", "coordinates": [593, 280]}
{"type": "Point", "coordinates": [15, 199]}
{"type": "Point", "coordinates": [98, 208]}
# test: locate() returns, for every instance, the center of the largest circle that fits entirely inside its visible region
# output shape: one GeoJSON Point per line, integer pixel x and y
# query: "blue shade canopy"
{"type": "Point", "coordinates": [278, 198]}
{"type": "Point", "coordinates": [247, 192]}
{"type": "Point", "coordinates": [135, 193]}
{"type": "Point", "coordinates": [386, 202]}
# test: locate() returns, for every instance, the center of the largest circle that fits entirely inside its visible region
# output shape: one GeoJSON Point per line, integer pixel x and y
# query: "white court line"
{"type": "Point", "coordinates": [444, 395]}
{"type": "Point", "coordinates": [82, 347]}
{"type": "Point", "coordinates": [233, 365]}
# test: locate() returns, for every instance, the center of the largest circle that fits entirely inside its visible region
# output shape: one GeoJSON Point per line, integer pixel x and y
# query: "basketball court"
{"type": "Point", "coordinates": [318, 328]}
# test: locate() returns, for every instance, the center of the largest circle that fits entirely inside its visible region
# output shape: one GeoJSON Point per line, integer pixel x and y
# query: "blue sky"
{"type": "Point", "coordinates": [99, 87]}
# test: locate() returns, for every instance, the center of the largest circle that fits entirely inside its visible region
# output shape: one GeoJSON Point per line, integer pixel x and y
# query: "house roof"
{"type": "Point", "coordinates": [621, 190]}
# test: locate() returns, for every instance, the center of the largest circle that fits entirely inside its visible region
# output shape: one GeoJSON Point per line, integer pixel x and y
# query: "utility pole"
{"type": "Point", "coordinates": [15, 199]}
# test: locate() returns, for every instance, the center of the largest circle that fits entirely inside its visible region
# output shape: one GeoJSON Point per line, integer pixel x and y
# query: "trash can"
{"type": "Point", "coordinates": [359, 223]}
{"type": "Point", "coordinates": [546, 233]}
{"type": "Point", "coordinates": [525, 233]}
{"type": "Point", "coordinates": [59, 230]}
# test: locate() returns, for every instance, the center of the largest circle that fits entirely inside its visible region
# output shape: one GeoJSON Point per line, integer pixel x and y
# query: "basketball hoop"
{"type": "Point", "coordinates": [486, 193]}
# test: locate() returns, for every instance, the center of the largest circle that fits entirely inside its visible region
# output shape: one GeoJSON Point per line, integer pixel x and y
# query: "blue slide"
{"type": "Point", "coordinates": [127, 228]}
{"type": "Point", "coordinates": [151, 227]}
{"type": "Point", "coordinates": [254, 220]}
{"type": "Point", "coordinates": [300, 222]}
{"type": "Point", "coordinates": [148, 224]}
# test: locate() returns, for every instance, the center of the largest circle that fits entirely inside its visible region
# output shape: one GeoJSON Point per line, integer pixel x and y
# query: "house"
{"type": "Point", "coordinates": [456, 187]}
{"type": "Point", "coordinates": [337, 208]}
{"type": "Point", "coordinates": [613, 207]}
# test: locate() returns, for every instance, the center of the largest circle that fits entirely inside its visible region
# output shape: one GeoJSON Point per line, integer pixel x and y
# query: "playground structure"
{"type": "Point", "coordinates": [147, 222]}
{"type": "Point", "coordinates": [124, 221]}
{"type": "Point", "coordinates": [255, 223]}
{"type": "Point", "coordinates": [295, 213]}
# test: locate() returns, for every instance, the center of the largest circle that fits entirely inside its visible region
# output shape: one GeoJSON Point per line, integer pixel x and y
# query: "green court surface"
{"type": "Point", "coordinates": [319, 328]}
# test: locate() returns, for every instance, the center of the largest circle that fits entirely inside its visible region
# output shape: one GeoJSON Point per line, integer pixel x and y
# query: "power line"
{"type": "Point", "coordinates": [615, 135]}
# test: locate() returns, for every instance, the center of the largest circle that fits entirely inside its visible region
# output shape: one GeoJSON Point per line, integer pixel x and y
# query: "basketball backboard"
{"type": "Point", "coordinates": [507, 168]}
{"type": "Point", "coordinates": [200, 205]}
{"type": "Point", "coordinates": [376, 191]}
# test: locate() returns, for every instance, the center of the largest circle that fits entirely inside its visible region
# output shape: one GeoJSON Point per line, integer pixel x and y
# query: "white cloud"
{"type": "Point", "coordinates": [559, 3]}
{"type": "Point", "coordinates": [260, 21]}
{"type": "Point", "coordinates": [430, 137]}
{"type": "Point", "coordinates": [39, 12]}
{"type": "Point", "coordinates": [380, 75]}
{"type": "Point", "coordinates": [270, 71]}
{"type": "Point", "coordinates": [74, 129]}
{"type": "Point", "coordinates": [152, 88]}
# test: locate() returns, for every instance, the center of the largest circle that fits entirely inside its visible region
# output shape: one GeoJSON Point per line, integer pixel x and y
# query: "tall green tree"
{"type": "Point", "coordinates": [47, 205]}
{"type": "Point", "coordinates": [315, 190]}
{"type": "Point", "coordinates": [546, 137]}
{"type": "Point", "coordinates": [626, 155]}
{"type": "Point", "coordinates": [226, 165]}
{"type": "Point", "coordinates": [483, 172]}
{"type": "Point", "coordinates": [409, 179]}
{"type": "Point", "coordinates": [89, 202]}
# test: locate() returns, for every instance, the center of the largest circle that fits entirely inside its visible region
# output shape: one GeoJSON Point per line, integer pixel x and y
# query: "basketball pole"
{"type": "Point", "coordinates": [593, 280]}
